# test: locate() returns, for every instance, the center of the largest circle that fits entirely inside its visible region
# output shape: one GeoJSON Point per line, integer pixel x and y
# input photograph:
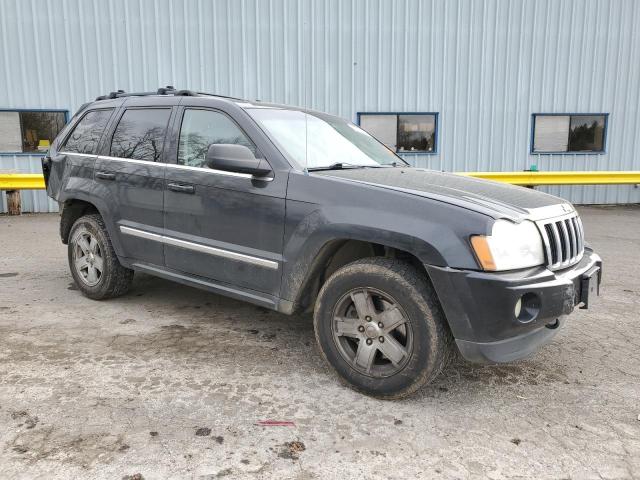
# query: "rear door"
{"type": "Point", "coordinates": [223, 226]}
{"type": "Point", "coordinates": [130, 176]}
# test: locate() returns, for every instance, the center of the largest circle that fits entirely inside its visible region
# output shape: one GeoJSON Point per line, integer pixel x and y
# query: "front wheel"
{"type": "Point", "coordinates": [93, 261]}
{"type": "Point", "coordinates": [378, 323]}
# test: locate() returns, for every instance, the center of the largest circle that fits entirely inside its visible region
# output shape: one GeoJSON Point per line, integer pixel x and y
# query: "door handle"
{"type": "Point", "coordinates": [106, 175]}
{"type": "Point", "coordinates": [177, 187]}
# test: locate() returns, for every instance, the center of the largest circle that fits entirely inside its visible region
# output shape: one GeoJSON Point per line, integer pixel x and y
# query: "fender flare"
{"type": "Point", "coordinates": [314, 253]}
{"type": "Point", "coordinates": [103, 209]}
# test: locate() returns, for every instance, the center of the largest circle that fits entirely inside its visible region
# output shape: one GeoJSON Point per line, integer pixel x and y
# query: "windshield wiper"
{"type": "Point", "coordinates": [340, 166]}
{"type": "Point", "coordinates": [394, 164]}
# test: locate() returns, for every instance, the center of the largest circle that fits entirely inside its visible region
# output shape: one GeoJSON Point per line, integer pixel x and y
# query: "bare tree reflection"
{"type": "Point", "coordinates": [128, 142]}
{"type": "Point", "coordinates": [85, 137]}
{"type": "Point", "coordinates": [140, 134]}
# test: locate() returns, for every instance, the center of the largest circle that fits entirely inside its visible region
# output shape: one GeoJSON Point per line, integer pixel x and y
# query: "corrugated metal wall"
{"type": "Point", "coordinates": [32, 200]}
{"type": "Point", "coordinates": [485, 65]}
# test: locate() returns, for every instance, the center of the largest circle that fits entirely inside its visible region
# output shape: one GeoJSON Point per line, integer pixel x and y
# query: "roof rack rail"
{"type": "Point", "coordinates": [168, 90]}
{"type": "Point", "coordinates": [221, 96]}
{"type": "Point", "coordinates": [186, 93]}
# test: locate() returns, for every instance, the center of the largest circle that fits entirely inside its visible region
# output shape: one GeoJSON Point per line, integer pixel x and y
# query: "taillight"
{"type": "Point", "coordinates": [46, 169]}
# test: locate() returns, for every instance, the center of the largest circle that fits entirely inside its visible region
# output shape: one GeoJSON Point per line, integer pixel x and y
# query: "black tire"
{"type": "Point", "coordinates": [384, 281]}
{"type": "Point", "coordinates": [114, 279]}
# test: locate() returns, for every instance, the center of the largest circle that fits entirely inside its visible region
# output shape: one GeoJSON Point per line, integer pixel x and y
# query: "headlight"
{"type": "Point", "coordinates": [510, 246]}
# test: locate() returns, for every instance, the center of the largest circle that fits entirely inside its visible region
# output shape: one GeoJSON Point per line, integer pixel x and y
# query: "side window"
{"type": "Point", "coordinates": [140, 134]}
{"type": "Point", "coordinates": [87, 133]}
{"type": "Point", "coordinates": [202, 128]}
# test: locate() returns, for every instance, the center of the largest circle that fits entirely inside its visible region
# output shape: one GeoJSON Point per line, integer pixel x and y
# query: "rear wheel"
{"type": "Point", "coordinates": [93, 262]}
{"type": "Point", "coordinates": [379, 325]}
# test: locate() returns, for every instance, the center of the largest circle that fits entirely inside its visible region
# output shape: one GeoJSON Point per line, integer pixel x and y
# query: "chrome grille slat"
{"type": "Point", "coordinates": [558, 244]}
{"type": "Point", "coordinates": [563, 239]}
{"type": "Point", "coordinates": [547, 245]}
{"type": "Point", "coordinates": [579, 223]}
{"type": "Point", "coordinates": [574, 239]}
{"type": "Point", "coordinates": [569, 239]}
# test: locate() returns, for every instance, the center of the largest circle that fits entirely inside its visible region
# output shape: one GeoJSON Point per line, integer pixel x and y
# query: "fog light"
{"type": "Point", "coordinates": [527, 307]}
{"type": "Point", "coordinates": [518, 307]}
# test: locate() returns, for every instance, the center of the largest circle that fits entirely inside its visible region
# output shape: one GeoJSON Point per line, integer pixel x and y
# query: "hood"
{"type": "Point", "coordinates": [499, 200]}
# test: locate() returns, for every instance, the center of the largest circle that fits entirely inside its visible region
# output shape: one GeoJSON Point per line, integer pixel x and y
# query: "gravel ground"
{"type": "Point", "coordinates": [171, 382]}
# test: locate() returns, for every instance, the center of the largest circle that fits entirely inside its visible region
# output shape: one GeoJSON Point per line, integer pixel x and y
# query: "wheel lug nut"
{"type": "Point", "coordinates": [381, 339]}
{"type": "Point", "coordinates": [369, 341]}
{"type": "Point", "coordinates": [367, 318]}
{"type": "Point", "coordinates": [380, 325]}
{"type": "Point", "coordinates": [361, 328]}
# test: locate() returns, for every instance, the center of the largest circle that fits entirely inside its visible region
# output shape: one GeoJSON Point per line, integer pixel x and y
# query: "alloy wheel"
{"type": "Point", "coordinates": [372, 332]}
{"type": "Point", "coordinates": [88, 258]}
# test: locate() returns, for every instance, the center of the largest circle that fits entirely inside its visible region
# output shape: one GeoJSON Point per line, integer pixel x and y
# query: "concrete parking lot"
{"type": "Point", "coordinates": [172, 382]}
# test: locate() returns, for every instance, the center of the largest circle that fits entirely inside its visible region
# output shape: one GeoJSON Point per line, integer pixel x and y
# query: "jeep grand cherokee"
{"type": "Point", "coordinates": [296, 211]}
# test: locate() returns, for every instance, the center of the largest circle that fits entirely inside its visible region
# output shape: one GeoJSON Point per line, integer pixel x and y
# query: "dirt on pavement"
{"type": "Point", "coordinates": [172, 382]}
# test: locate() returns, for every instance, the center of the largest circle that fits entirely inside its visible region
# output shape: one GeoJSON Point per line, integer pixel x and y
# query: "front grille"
{"type": "Point", "coordinates": [563, 240]}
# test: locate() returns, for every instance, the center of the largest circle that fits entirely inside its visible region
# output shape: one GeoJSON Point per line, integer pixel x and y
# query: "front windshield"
{"type": "Point", "coordinates": [316, 141]}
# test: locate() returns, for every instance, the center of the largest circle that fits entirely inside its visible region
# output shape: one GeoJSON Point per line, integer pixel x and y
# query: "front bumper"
{"type": "Point", "coordinates": [480, 307]}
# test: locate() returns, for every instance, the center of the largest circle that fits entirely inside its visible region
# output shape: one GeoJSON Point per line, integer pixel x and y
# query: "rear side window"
{"type": "Point", "coordinates": [86, 134]}
{"type": "Point", "coordinates": [203, 128]}
{"type": "Point", "coordinates": [140, 134]}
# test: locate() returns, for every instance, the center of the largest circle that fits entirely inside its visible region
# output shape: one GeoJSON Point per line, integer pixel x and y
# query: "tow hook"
{"type": "Point", "coordinates": [554, 325]}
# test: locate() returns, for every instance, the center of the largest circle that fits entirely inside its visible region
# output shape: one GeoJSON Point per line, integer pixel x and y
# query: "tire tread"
{"type": "Point", "coordinates": [421, 292]}
{"type": "Point", "coordinates": [118, 278]}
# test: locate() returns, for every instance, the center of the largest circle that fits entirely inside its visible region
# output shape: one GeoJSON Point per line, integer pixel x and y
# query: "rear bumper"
{"type": "Point", "coordinates": [480, 307]}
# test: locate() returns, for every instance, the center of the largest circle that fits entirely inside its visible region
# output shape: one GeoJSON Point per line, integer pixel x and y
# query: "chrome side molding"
{"type": "Point", "coordinates": [219, 172]}
{"type": "Point", "coordinates": [173, 165]}
{"type": "Point", "coordinates": [198, 247]}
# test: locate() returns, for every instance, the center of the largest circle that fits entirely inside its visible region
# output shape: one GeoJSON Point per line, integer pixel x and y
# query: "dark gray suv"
{"type": "Point", "coordinates": [297, 211]}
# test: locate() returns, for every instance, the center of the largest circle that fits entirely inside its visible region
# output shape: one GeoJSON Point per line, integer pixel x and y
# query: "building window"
{"type": "Point", "coordinates": [402, 132]}
{"type": "Point", "coordinates": [27, 131]}
{"type": "Point", "coordinates": [568, 133]}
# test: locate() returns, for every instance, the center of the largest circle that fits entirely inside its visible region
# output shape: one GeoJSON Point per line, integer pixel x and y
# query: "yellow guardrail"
{"type": "Point", "coordinates": [21, 181]}
{"type": "Point", "coordinates": [35, 181]}
{"type": "Point", "coordinates": [560, 178]}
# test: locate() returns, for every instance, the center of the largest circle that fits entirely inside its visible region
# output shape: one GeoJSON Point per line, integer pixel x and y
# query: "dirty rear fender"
{"type": "Point", "coordinates": [88, 190]}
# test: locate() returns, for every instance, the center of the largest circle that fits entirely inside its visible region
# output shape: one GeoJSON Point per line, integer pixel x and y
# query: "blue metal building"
{"type": "Point", "coordinates": [481, 69]}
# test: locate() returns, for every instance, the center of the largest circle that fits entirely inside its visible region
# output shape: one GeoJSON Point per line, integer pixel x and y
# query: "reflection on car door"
{"type": "Point", "coordinates": [222, 226]}
{"type": "Point", "coordinates": [76, 157]}
{"type": "Point", "coordinates": [131, 178]}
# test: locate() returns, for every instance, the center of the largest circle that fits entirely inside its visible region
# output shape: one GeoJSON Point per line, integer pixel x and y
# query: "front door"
{"type": "Point", "coordinates": [131, 177]}
{"type": "Point", "coordinates": [227, 227]}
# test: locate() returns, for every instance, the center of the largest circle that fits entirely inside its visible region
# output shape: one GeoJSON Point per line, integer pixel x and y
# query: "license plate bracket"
{"type": "Point", "coordinates": [589, 286]}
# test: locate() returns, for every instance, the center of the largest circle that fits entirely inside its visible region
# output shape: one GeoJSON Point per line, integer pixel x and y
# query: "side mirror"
{"type": "Point", "coordinates": [235, 158]}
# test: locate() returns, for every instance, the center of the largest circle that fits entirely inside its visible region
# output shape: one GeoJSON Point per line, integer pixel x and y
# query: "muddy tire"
{"type": "Point", "coordinates": [93, 262]}
{"type": "Point", "coordinates": [379, 325]}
